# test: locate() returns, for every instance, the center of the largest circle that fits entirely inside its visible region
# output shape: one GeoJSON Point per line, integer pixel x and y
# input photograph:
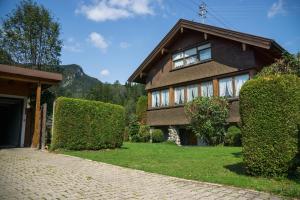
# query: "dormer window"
{"type": "Point", "coordinates": [191, 56]}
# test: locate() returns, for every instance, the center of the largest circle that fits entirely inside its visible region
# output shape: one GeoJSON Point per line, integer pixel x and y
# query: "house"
{"type": "Point", "coordinates": [20, 104]}
{"type": "Point", "coordinates": [196, 59]}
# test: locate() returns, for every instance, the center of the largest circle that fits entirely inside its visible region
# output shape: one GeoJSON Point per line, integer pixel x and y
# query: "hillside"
{"type": "Point", "coordinates": [75, 82]}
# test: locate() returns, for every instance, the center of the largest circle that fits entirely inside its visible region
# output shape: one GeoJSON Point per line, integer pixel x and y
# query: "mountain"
{"type": "Point", "coordinates": [75, 82]}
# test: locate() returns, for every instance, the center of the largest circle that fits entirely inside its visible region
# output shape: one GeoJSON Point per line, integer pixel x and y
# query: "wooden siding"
{"type": "Point", "coordinates": [176, 115]}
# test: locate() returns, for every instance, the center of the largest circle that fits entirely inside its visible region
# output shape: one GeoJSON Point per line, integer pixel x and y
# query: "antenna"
{"type": "Point", "coordinates": [202, 11]}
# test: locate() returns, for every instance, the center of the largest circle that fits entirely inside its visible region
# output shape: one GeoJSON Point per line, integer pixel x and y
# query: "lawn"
{"type": "Point", "coordinates": [211, 164]}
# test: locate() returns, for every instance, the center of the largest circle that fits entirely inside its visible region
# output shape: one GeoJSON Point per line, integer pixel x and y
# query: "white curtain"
{"type": "Point", "coordinates": [165, 97]}
{"type": "Point", "coordinates": [225, 87]}
{"type": "Point", "coordinates": [239, 82]}
{"type": "Point", "coordinates": [207, 89]}
{"type": "Point", "coordinates": [192, 92]}
{"type": "Point", "coordinates": [155, 99]}
{"type": "Point", "coordinates": [179, 95]}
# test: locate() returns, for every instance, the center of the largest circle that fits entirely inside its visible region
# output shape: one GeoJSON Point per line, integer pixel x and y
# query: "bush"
{"type": "Point", "coordinates": [87, 125]}
{"type": "Point", "coordinates": [208, 118]}
{"type": "Point", "coordinates": [269, 108]}
{"type": "Point", "coordinates": [144, 133]}
{"type": "Point", "coordinates": [141, 109]}
{"type": "Point", "coordinates": [157, 136]}
{"type": "Point", "coordinates": [233, 136]}
{"type": "Point", "coordinates": [133, 128]}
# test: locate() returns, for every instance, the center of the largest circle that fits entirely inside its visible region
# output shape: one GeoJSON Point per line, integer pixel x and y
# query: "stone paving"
{"type": "Point", "coordinates": [32, 174]}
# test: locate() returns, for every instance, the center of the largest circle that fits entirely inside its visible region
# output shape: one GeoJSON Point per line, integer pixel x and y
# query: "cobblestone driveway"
{"type": "Point", "coordinates": [32, 174]}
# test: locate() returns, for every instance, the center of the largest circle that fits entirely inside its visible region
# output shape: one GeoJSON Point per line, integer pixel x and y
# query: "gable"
{"type": "Point", "coordinates": [182, 26]}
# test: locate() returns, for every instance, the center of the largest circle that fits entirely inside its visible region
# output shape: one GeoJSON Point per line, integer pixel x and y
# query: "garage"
{"type": "Point", "coordinates": [20, 105]}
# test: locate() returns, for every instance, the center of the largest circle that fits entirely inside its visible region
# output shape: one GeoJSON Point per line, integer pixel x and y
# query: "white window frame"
{"type": "Point", "coordinates": [207, 84]}
{"type": "Point", "coordinates": [190, 89]}
{"type": "Point", "coordinates": [155, 95]}
{"type": "Point", "coordinates": [177, 97]}
{"type": "Point", "coordinates": [165, 98]}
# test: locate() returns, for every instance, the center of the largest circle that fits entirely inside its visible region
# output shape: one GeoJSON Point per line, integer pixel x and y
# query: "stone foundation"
{"type": "Point", "coordinates": [174, 135]}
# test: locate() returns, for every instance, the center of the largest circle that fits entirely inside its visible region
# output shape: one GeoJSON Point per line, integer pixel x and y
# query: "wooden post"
{"type": "Point", "coordinates": [171, 93]}
{"type": "Point", "coordinates": [216, 87]}
{"type": "Point", "coordinates": [44, 119]}
{"type": "Point", "coordinates": [149, 100]}
{"type": "Point", "coordinates": [36, 133]}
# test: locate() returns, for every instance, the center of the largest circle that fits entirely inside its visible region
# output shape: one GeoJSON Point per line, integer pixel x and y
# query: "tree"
{"type": "Point", "coordinates": [287, 64]}
{"type": "Point", "coordinates": [5, 57]}
{"type": "Point", "coordinates": [208, 118]}
{"type": "Point", "coordinates": [141, 108]}
{"type": "Point", "coordinates": [30, 36]}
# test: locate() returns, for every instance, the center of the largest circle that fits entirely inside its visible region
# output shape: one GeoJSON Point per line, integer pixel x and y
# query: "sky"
{"type": "Point", "coordinates": [110, 38]}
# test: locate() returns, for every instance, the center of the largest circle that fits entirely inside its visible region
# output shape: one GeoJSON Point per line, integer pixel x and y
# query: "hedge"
{"type": "Point", "coordinates": [269, 108]}
{"type": "Point", "coordinates": [157, 136]}
{"type": "Point", "coordinates": [87, 125]}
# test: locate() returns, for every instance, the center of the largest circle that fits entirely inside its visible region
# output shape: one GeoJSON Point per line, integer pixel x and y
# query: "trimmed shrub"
{"type": "Point", "coordinates": [208, 118]}
{"type": "Point", "coordinates": [141, 109]}
{"type": "Point", "coordinates": [157, 136]}
{"type": "Point", "coordinates": [270, 109]}
{"type": "Point", "coordinates": [87, 125]}
{"type": "Point", "coordinates": [233, 136]}
{"type": "Point", "coordinates": [144, 133]}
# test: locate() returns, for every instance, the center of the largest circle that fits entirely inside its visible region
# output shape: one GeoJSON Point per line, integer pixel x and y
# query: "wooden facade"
{"type": "Point", "coordinates": [27, 85]}
{"type": "Point", "coordinates": [232, 53]}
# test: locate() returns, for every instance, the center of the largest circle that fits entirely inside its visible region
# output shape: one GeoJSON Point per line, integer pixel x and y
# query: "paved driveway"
{"type": "Point", "coordinates": [31, 174]}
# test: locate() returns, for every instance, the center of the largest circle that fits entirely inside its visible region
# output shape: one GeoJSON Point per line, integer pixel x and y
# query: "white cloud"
{"type": "Point", "coordinates": [104, 10]}
{"type": "Point", "coordinates": [124, 45]}
{"type": "Point", "coordinates": [276, 8]}
{"type": "Point", "coordinates": [72, 46]}
{"type": "Point", "coordinates": [104, 72]}
{"type": "Point", "coordinates": [98, 41]}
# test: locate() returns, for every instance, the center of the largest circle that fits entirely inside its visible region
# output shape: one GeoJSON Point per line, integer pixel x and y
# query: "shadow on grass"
{"type": "Point", "coordinates": [237, 168]}
{"type": "Point", "coordinates": [238, 154]}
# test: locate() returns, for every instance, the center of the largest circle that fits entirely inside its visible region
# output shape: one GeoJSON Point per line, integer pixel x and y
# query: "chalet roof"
{"type": "Point", "coordinates": [182, 24]}
{"type": "Point", "coordinates": [29, 75]}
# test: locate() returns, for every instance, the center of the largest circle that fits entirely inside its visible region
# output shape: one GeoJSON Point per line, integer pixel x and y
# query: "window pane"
{"type": "Point", "coordinates": [165, 97]}
{"type": "Point", "coordinates": [178, 63]}
{"type": "Point", "coordinates": [177, 56]}
{"type": "Point", "coordinates": [204, 46]}
{"type": "Point", "coordinates": [190, 52]}
{"type": "Point", "coordinates": [239, 82]}
{"type": "Point", "coordinates": [192, 92]}
{"type": "Point", "coordinates": [179, 95]}
{"type": "Point", "coordinates": [205, 54]}
{"type": "Point", "coordinates": [207, 89]}
{"type": "Point", "coordinates": [191, 60]}
{"type": "Point", "coordinates": [155, 99]}
{"type": "Point", "coordinates": [225, 87]}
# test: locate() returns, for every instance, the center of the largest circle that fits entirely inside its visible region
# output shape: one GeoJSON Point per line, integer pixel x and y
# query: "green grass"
{"type": "Point", "coordinates": [211, 164]}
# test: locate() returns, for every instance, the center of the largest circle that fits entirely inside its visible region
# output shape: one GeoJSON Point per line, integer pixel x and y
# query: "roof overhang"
{"type": "Point", "coordinates": [29, 75]}
{"type": "Point", "coordinates": [182, 24]}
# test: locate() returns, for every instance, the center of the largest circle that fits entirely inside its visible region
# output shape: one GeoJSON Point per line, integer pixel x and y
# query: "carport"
{"type": "Point", "coordinates": [20, 88]}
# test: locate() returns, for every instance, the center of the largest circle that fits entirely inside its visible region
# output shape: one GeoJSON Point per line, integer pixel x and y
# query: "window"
{"type": "Point", "coordinates": [155, 99]}
{"type": "Point", "coordinates": [207, 89]}
{"type": "Point", "coordinates": [165, 98]}
{"type": "Point", "coordinates": [191, 56]}
{"type": "Point", "coordinates": [179, 95]}
{"type": "Point", "coordinates": [239, 82]}
{"type": "Point", "coordinates": [192, 92]}
{"type": "Point", "coordinates": [204, 52]}
{"type": "Point", "coordinates": [225, 87]}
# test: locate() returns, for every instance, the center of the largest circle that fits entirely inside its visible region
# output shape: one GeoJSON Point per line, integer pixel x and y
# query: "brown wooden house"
{"type": "Point", "coordinates": [19, 120]}
{"type": "Point", "coordinates": [196, 59]}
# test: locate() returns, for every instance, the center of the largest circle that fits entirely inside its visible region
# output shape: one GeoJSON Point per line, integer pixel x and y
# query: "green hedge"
{"type": "Point", "coordinates": [233, 136]}
{"type": "Point", "coordinates": [269, 108]}
{"type": "Point", "coordinates": [87, 125]}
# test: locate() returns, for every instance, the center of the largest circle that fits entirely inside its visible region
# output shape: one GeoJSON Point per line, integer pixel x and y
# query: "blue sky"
{"type": "Point", "coordinates": [110, 38]}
